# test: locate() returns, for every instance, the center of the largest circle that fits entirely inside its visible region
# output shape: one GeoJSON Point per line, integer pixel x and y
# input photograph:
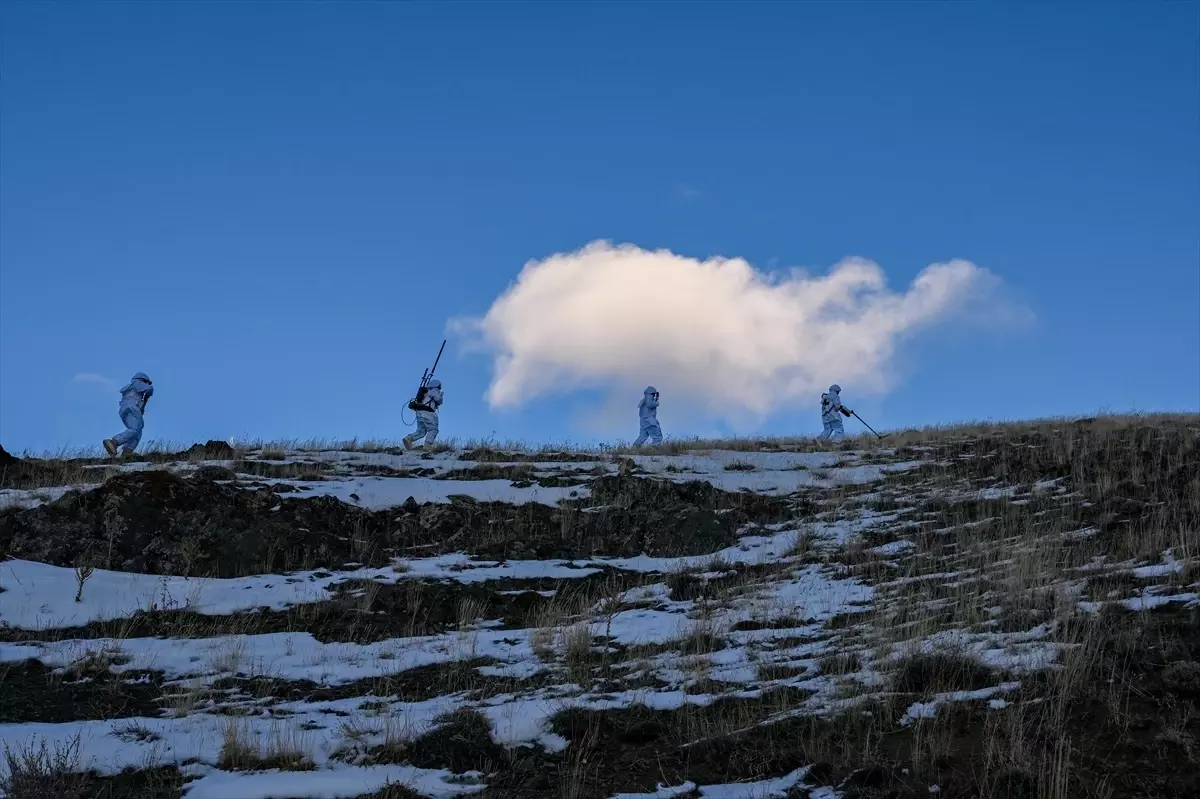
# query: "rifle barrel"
{"type": "Point", "coordinates": [438, 358]}
{"type": "Point", "coordinates": [428, 373]}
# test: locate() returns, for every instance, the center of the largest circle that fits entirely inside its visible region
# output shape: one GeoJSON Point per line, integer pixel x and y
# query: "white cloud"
{"type": "Point", "coordinates": [91, 378]}
{"type": "Point", "coordinates": [716, 336]}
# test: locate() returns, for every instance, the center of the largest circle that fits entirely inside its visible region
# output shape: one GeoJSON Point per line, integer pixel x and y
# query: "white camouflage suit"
{"type": "Point", "coordinates": [832, 411]}
{"type": "Point", "coordinates": [427, 421]}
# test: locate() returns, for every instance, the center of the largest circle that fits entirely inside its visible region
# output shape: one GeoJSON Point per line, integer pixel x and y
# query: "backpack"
{"type": "Point", "coordinates": [418, 403]}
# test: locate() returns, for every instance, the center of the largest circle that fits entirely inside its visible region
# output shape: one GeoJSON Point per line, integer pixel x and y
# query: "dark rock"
{"type": "Point", "coordinates": [211, 450]}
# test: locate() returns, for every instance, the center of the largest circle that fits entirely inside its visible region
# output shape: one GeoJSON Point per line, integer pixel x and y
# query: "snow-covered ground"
{"type": "Point", "coordinates": [772, 611]}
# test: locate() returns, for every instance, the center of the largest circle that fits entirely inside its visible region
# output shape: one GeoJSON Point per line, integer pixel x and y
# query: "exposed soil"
{"type": "Point", "coordinates": [461, 742]}
{"type": "Point", "coordinates": [299, 470]}
{"type": "Point", "coordinates": [160, 523]}
{"type": "Point", "coordinates": [484, 455]}
{"type": "Point", "coordinates": [411, 685]}
{"type": "Point", "coordinates": [32, 692]}
{"type": "Point", "coordinates": [491, 471]}
{"type": "Point", "coordinates": [666, 518]}
{"type": "Point", "coordinates": [524, 475]}
{"type": "Point", "coordinates": [392, 792]}
{"type": "Point", "coordinates": [928, 674]}
{"type": "Point", "coordinates": [152, 783]}
{"type": "Point", "coordinates": [414, 607]}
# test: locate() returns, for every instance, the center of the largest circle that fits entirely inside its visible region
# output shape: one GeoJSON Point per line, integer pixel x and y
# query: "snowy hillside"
{"type": "Point", "coordinates": [1010, 612]}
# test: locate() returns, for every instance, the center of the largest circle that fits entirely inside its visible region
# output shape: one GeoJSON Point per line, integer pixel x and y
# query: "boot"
{"type": "Point", "coordinates": [408, 443]}
{"type": "Point", "coordinates": [110, 447]}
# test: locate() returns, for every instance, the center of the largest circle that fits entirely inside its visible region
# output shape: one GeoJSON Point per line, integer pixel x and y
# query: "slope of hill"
{"type": "Point", "coordinates": [1008, 611]}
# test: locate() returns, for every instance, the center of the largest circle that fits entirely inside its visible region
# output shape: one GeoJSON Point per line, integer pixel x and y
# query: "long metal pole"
{"type": "Point", "coordinates": [859, 418]}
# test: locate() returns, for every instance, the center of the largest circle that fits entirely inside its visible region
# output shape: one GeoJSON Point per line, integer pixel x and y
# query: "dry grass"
{"type": "Point", "coordinates": [995, 584]}
{"type": "Point", "coordinates": [1015, 564]}
{"type": "Point", "coordinates": [934, 434]}
{"type": "Point", "coordinates": [38, 771]}
{"type": "Point", "coordinates": [95, 661]}
{"type": "Point", "coordinates": [577, 652]}
{"type": "Point", "coordinates": [242, 751]}
{"type": "Point", "coordinates": [1006, 573]}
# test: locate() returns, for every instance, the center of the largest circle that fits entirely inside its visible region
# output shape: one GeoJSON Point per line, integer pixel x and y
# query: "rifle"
{"type": "Point", "coordinates": [417, 403]}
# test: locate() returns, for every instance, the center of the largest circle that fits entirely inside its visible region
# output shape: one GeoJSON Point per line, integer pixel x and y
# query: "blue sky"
{"type": "Point", "coordinates": [275, 208]}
